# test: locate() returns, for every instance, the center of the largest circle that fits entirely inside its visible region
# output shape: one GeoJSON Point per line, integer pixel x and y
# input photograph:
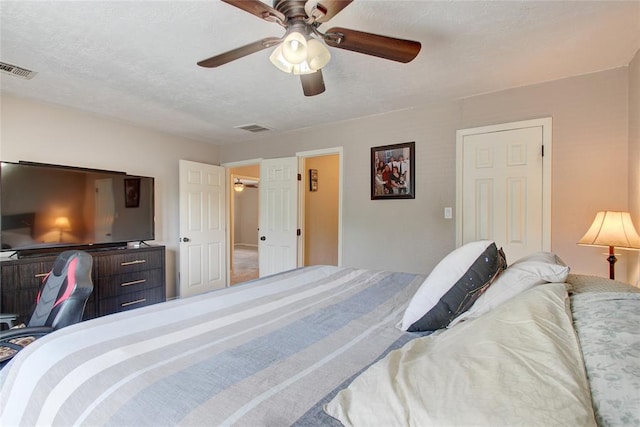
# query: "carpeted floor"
{"type": "Point", "coordinates": [245, 264]}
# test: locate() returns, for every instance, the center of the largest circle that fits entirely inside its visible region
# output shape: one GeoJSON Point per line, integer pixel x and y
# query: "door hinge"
{"type": "Point", "coordinates": [543, 151]}
{"type": "Point", "coordinates": [298, 232]}
{"type": "Point", "coordinates": [299, 177]}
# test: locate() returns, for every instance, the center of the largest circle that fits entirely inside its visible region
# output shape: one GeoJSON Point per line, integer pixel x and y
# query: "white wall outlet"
{"type": "Point", "coordinates": [448, 213]}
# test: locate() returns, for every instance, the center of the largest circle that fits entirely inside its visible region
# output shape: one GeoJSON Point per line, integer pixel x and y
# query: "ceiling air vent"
{"type": "Point", "coordinates": [17, 71]}
{"type": "Point", "coordinates": [255, 128]}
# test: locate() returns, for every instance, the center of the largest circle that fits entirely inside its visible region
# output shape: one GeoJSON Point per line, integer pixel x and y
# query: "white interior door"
{"type": "Point", "coordinates": [202, 228]}
{"type": "Point", "coordinates": [105, 207]}
{"type": "Point", "coordinates": [278, 239]}
{"type": "Point", "coordinates": [504, 187]}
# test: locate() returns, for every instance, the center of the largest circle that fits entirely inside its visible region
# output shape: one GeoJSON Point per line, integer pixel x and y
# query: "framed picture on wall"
{"type": "Point", "coordinates": [392, 169]}
{"type": "Point", "coordinates": [313, 179]}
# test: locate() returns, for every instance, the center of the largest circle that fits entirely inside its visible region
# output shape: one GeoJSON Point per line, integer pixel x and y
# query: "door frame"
{"type": "Point", "coordinates": [547, 144]}
{"type": "Point", "coordinates": [302, 156]}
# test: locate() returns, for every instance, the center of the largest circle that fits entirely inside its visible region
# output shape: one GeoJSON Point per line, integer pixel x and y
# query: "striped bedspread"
{"type": "Point", "coordinates": [269, 352]}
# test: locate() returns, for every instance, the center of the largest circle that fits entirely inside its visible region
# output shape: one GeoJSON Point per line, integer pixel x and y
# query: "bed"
{"type": "Point", "coordinates": [325, 345]}
{"type": "Point", "coordinates": [17, 230]}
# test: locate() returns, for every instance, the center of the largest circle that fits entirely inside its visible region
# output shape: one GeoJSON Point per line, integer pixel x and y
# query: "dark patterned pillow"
{"type": "Point", "coordinates": [453, 286]}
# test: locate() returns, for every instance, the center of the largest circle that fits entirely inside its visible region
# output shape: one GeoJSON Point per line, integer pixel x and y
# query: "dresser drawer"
{"type": "Point", "coordinates": [31, 275]}
{"type": "Point", "coordinates": [131, 300]}
{"type": "Point", "coordinates": [131, 261]}
{"type": "Point", "coordinates": [111, 286]}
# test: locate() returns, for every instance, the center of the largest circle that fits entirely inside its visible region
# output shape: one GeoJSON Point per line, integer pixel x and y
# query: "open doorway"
{"type": "Point", "coordinates": [319, 217]}
{"type": "Point", "coordinates": [321, 210]}
{"type": "Point", "coordinates": [244, 216]}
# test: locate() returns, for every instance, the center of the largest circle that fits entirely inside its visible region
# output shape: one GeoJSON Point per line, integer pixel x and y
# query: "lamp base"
{"type": "Point", "coordinates": [612, 260]}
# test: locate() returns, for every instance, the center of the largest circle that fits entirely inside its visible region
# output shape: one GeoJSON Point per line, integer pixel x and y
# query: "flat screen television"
{"type": "Point", "coordinates": [49, 208]}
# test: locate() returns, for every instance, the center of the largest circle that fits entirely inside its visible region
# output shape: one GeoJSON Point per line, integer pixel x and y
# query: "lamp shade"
{"type": "Point", "coordinates": [317, 54]}
{"type": "Point", "coordinates": [62, 223]}
{"type": "Point", "coordinates": [612, 228]}
{"type": "Point", "coordinates": [294, 48]}
{"type": "Point", "coordinates": [278, 59]}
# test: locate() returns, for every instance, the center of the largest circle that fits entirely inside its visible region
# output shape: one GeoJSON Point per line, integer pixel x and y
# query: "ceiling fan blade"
{"type": "Point", "coordinates": [312, 84]}
{"type": "Point", "coordinates": [232, 55]}
{"type": "Point", "coordinates": [259, 9]}
{"type": "Point", "coordinates": [323, 10]}
{"type": "Point", "coordinates": [373, 44]}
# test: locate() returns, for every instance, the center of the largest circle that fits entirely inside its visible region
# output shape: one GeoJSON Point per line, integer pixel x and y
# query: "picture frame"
{"type": "Point", "coordinates": [131, 192]}
{"type": "Point", "coordinates": [313, 179]}
{"type": "Point", "coordinates": [387, 183]}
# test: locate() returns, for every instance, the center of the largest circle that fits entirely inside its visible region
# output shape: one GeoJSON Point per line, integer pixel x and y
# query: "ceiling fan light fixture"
{"type": "Point", "coordinates": [279, 61]}
{"type": "Point", "coordinates": [294, 47]}
{"type": "Point", "coordinates": [302, 68]}
{"type": "Point", "coordinates": [317, 54]}
{"type": "Point", "coordinates": [302, 50]}
{"type": "Point", "coordinates": [238, 185]}
{"type": "Point", "coordinates": [317, 57]}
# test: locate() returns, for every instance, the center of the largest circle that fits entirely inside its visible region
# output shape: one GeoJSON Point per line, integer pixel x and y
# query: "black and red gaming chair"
{"type": "Point", "coordinates": [60, 302]}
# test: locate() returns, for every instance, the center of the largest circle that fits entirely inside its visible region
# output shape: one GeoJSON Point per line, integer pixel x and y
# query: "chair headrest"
{"type": "Point", "coordinates": [61, 261]}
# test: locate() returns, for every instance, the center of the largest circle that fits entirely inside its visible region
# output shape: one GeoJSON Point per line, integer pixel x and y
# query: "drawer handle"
{"type": "Point", "coordinates": [37, 276]}
{"type": "Point", "coordinates": [138, 261]}
{"type": "Point", "coordinates": [138, 301]}
{"type": "Point", "coordinates": [134, 282]}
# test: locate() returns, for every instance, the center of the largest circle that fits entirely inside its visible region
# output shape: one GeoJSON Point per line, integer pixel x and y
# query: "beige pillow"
{"type": "Point", "coordinates": [520, 365]}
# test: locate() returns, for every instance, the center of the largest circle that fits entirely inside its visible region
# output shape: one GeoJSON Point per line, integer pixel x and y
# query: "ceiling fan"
{"type": "Point", "coordinates": [240, 184]}
{"type": "Point", "coordinates": [301, 50]}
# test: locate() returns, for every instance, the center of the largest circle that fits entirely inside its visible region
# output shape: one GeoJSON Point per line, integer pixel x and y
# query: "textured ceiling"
{"type": "Point", "coordinates": [136, 60]}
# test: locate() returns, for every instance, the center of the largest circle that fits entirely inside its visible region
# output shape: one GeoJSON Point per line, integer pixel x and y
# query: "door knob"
{"type": "Point", "coordinates": [186, 239]}
{"type": "Point", "coordinates": [263, 238]}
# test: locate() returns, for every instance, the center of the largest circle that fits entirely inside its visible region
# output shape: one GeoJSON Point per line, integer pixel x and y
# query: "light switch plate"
{"type": "Point", "coordinates": [448, 213]}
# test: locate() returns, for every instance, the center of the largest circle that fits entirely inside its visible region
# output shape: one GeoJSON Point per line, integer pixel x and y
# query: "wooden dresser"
{"type": "Point", "coordinates": [123, 279]}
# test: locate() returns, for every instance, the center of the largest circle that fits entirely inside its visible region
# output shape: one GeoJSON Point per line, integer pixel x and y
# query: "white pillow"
{"type": "Point", "coordinates": [525, 273]}
{"type": "Point", "coordinates": [453, 286]}
{"type": "Point", "coordinates": [16, 238]}
{"type": "Point", "coordinates": [508, 368]}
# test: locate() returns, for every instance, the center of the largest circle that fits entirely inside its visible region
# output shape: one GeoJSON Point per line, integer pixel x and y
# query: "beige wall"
{"type": "Point", "coordinates": [244, 221]}
{"type": "Point", "coordinates": [634, 161]}
{"type": "Point", "coordinates": [246, 211]}
{"type": "Point", "coordinates": [321, 211]}
{"type": "Point", "coordinates": [595, 144]}
{"type": "Point", "coordinates": [50, 134]}
{"type": "Point", "coordinates": [590, 169]}
{"type": "Point", "coordinates": [398, 235]}
{"type": "Point", "coordinates": [590, 146]}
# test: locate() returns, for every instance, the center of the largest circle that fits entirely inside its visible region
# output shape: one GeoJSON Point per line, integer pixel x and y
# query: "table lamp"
{"type": "Point", "coordinates": [615, 230]}
{"type": "Point", "coordinates": [62, 224]}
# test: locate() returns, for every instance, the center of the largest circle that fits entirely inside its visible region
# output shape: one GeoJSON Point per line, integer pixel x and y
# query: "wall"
{"type": "Point", "coordinates": [591, 137]}
{"type": "Point", "coordinates": [321, 212]}
{"type": "Point", "coordinates": [590, 170]}
{"type": "Point", "coordinates": [249, 227]}
{"type": "Point", "coordinates": [245, 216]}
{"type": "Point", "coordinates": [400, 235]}
{"type": "Point", "coordinates": [634, 162]}
{"type": "Point", "coordinates": [51, 134]}
{"type": "Point", "coordinates": [590, 147]}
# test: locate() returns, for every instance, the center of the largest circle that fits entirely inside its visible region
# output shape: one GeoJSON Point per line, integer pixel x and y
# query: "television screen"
{"type": "Point", "coordinates": [48, 206]}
